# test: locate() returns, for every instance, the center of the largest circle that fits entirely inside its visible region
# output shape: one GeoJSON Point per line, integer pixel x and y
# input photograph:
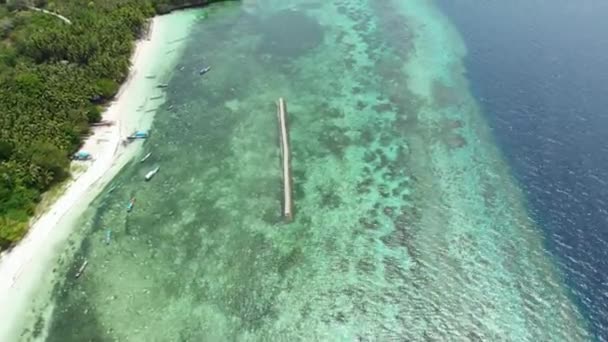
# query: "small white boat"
{"type": "Point", "coordinates": [151, 174]}
{"type": "Point", "coordinates": [204, 70]}
{"type": "Point", "coordinates": [145, 157]}
{"type": "Point", "coordinates": [81, 269]}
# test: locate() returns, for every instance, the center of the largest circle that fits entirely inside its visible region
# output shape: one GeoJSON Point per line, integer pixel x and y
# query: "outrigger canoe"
{"type": "Point", "coordinates": [81, 269]}
{"type": "Point", "coordinates": [130, 205]}
{"type": "Point", "coordinates": [145, 157]}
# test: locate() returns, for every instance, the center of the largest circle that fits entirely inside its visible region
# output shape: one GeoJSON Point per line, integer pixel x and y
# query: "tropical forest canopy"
{"type": "Point", "coordinates": [55, 77]}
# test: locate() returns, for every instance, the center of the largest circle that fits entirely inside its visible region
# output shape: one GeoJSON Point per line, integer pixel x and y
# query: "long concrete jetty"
{"type": "Point", "coordinates": [286, 160]}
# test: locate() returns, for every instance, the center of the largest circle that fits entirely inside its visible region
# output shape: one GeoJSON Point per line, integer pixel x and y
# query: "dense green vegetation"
{"type": "Point", "coordinates": [54, 78]}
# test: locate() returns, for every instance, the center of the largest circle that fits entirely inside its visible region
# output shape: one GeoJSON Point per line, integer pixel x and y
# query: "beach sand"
{"type": "Point", "coordinates": [24, 268]}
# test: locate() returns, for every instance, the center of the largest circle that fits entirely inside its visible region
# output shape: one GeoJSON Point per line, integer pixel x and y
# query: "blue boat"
{"type": "Point", "coordinates": [81, 155]}
{"type": "Point", "coordinates": [138, 135]}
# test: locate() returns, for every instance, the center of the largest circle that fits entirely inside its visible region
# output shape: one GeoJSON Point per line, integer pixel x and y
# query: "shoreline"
{"type": "Point", "coordinates": [22, 268]}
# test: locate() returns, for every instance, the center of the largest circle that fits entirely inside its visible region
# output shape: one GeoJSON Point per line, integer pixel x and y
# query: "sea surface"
{"type": "Point", "coordinates": [447, 162]}
{"type": "Point", "coordinates": [540, 72]}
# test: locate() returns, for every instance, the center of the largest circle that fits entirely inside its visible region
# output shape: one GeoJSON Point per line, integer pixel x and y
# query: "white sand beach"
{"type": "Point", "coordinates": [24, 268]}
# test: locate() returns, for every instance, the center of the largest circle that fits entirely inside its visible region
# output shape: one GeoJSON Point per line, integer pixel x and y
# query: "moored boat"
{"type": "Point", "coordinates": [130, 205]}
{"type": "Point", "coordinates": [151, 174]}
{"type": "Point", "coordinates": [81, 269]}
{"type": "Point", "coordinates": [145, 157]}
{"type": "Point", "coordinates": [138, 135]}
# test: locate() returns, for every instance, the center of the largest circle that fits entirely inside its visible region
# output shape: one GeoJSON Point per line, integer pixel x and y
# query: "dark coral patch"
{"type": "Point", "coordinates": [455, 141]}
{"type": "Point", "coordinates": [290, 34]}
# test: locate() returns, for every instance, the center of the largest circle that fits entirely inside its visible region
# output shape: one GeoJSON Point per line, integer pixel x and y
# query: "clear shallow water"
{"type": "Point", "coordinates": [408, 225]}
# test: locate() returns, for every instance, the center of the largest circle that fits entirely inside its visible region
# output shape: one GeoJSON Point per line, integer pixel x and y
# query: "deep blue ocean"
{"type": "Point", "coordinates": [540, 71]}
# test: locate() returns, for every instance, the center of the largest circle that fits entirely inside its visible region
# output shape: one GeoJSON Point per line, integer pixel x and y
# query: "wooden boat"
{"type": "Point", "coordinates": [204, 70]}
{"type": "Point", "coordinates": [81, 269]}
{"type": "Point", "coordinates": [130, 205]}
{"type": "Point", "coordinates": [145, 157]}
{"type": "Point", "coordinates": [151, 174]}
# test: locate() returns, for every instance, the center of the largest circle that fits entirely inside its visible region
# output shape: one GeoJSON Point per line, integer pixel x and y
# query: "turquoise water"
{"type": "Point", "coordinates": [407, 225]}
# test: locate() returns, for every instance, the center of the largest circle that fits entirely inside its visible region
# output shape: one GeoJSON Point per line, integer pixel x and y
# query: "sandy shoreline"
{"type": "Point", "coordinates": [24, 268]}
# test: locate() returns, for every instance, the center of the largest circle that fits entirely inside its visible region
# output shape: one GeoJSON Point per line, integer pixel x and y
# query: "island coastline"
{"type": "Point", "coordinates": [23, 266]}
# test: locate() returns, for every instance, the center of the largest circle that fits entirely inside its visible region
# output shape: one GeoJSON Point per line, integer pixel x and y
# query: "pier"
{"type": "Point", "coordinates": [285, 159]}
